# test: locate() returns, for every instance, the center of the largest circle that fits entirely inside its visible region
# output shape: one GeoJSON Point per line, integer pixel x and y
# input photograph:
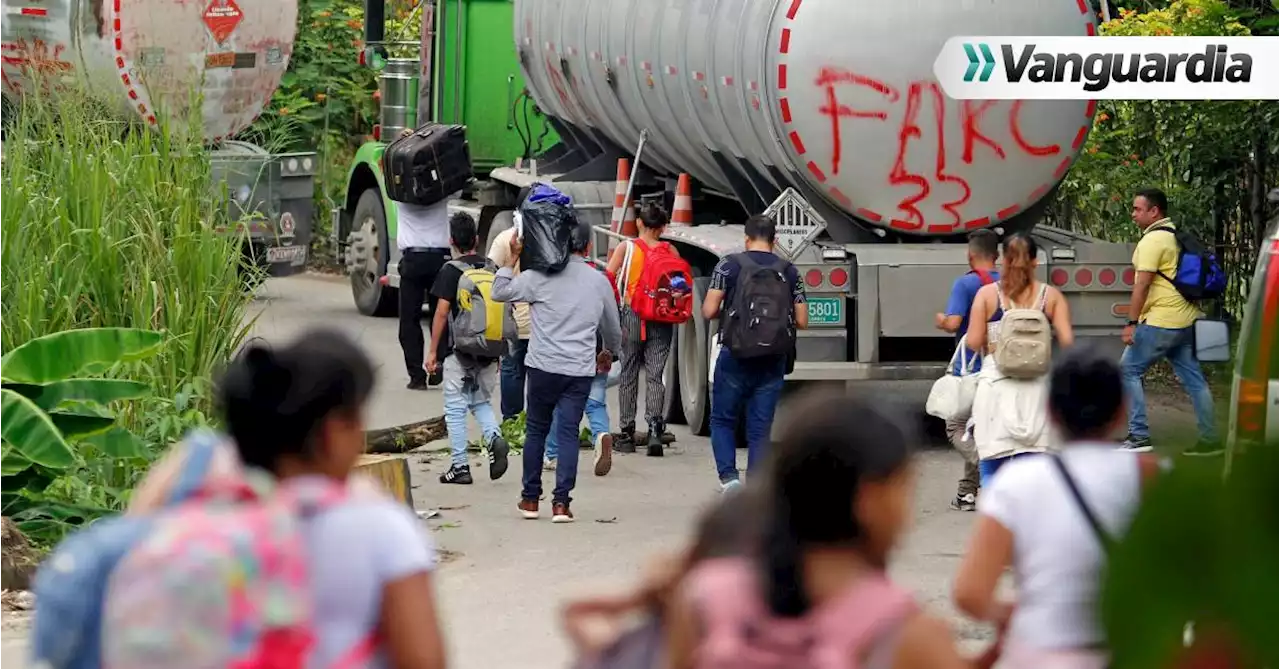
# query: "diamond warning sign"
{"type": "Point", "coordinates": [222, 17]}
{"type": "Point", "coordinates": [797, 222]}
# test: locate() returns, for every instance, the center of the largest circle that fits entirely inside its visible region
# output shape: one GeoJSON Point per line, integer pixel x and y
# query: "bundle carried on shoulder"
{"type": "Point", "coordinates": [545, 225]}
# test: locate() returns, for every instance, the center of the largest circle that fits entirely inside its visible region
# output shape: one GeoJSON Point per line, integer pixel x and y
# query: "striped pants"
{"type": "Point", "coordinates": [651, 354]}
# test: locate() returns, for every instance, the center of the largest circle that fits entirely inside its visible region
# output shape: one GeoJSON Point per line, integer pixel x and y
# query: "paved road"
{"type": "Point", "coordinates": [505, 578]}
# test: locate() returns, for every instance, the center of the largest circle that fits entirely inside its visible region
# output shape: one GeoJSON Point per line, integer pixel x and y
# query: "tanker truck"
{"type": "Point", "coordinates": [152, 58]}
{"type": "Point", "coordinates": [824, 115]}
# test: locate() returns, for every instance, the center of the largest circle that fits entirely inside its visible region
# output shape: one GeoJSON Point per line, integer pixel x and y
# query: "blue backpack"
{"type": "Point", "coordinates": [1198, 276]}
{"type": "Point", "coordinates": [71, 585]}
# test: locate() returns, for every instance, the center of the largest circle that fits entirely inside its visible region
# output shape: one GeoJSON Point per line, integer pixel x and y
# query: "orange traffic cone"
{"type": "Point", "coordinates": [682, 208]}
{"type": "Point", "coordinates": [620, 194]}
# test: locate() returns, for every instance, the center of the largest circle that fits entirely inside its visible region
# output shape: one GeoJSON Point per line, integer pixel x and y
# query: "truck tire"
{"type": "Point", "coordinates": [674, 412]}
{"type": "Point", "coordinates": [367, 256]}
{"type": "Point", "coordinates": [693, 348]}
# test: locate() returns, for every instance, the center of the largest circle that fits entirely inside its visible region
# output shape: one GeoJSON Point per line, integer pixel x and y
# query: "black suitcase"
{"type": "Point", "coordinates": [429, 165]}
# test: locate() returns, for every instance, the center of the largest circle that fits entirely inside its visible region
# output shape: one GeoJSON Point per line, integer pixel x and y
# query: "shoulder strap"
{"type": "Point", "coordinates": [984, 276]}
{"type": "Point", "coordinates": [1001, 300]}
{"type": "Point", "coordinates": [202, 446]}
{"type": "Point", "coordinates": [1098, 531]}
{"type": "Point", "coordinates": [458, 265]}
{"type": "Point", "coordinates": [1044, 296]}
{"type": "Point", "coordinates": [745, 262]}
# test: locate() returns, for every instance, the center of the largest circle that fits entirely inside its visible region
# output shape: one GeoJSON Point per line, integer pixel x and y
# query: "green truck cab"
{"type": "Point", "coordinates": [470, 78]}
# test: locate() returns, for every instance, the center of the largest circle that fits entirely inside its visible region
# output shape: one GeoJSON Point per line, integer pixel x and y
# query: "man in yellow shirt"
{"type": "Point", "coordinates": [1162, 327]}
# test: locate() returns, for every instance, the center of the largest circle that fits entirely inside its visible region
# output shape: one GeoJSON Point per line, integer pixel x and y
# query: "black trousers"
{"type": "Point", "coordinates": [418, 270]}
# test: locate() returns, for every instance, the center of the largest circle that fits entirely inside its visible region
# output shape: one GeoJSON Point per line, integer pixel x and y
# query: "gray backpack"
{"type": "Point", "coordinates": [481, 326]}
{"type": "Point", "coordinates": [1025, 339]}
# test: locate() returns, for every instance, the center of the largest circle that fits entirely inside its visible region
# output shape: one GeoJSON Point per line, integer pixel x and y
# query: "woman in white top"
{"type": "Point", "coordinates": [1048, 518]}
{"type": "Point", "coordinates": [1009, 417]}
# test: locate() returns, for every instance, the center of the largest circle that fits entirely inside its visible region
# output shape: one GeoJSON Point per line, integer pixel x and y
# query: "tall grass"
{"type": "Point", "coordinates": [106, 223]}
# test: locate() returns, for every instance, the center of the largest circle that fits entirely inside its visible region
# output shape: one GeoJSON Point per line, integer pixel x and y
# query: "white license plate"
{"type": "Point", "coordinates": [294, 255]}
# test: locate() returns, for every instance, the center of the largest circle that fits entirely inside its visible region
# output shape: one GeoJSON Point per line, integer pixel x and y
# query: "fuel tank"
{"type": "Point", "coordinates": [154, 57]}
{"type": "Point", "coordinates": [835, 97]}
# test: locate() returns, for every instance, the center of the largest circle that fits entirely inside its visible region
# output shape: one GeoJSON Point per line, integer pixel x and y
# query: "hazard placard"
{"type": "Point", "coordinates": [797, 222]}
{"type": "Point", "coordinates": [222, 17]}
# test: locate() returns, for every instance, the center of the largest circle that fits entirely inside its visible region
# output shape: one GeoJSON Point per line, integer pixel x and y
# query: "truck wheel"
{"type": "Point", "coordinates": [674, 412]}
{"type": "Point", "coordinates": [694, 339]}
{"type": "Point", "coordinates": [367, 255]}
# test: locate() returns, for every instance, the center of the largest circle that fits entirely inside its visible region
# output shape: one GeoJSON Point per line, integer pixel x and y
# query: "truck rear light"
{"type": "Point", "coordinates": [1107, 277]}
{"type": "Point", "coordinates": [838, 277]}
{"type": "Point", "coordinates": [1084, 276]}
{"type": "Point", "coordinates": [1128, 277]}
{"type": "Point", "coordinates": [1251, 407]}
{"type": "Point", "coordinates": [377, 132]}
{"type": "Point", "coordinates": [813, 277]}
{"type": "Point", "coordinates": [1059, 277]}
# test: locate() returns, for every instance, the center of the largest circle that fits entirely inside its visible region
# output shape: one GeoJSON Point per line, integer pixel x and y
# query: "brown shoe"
{"type": "Point", "coordinates": [603, 453]}
{"type": "Point", "coordinates": [560, 513]}
{"type": "Point", "coordinates": [528, 509]}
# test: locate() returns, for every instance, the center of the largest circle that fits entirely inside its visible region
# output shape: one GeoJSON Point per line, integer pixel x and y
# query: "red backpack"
{"type": "Point", "coordinates": [664, 292]}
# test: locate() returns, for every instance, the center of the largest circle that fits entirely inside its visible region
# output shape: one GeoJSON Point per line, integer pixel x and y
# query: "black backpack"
{"type": "Point", "coordinates": [759, 319]}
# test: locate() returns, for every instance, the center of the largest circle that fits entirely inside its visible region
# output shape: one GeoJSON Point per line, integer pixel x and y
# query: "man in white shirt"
{"type": "Point", "coordinates": [423, 240]}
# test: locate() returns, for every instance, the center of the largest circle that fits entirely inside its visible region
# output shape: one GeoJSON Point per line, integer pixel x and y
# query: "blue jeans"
{"type": "Point", "coordinates": [1150, 344]}
{"type": "Point", "coordinates": [462, 394]}
{"type": "Point", "coordinates": [549, 394]}
{"type": "Point", "coordinates": [513, 373]}
{"type": "Point", "coordinates": [753, 386]}
{"type": "Point", "coordinates": [597, 415]}
{"type": "Point", "coordinates": [988, 468]}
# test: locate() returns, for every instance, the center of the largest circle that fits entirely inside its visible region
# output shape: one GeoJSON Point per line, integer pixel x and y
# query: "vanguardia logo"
{"type": "Point", "coordinates": [1216, 64]}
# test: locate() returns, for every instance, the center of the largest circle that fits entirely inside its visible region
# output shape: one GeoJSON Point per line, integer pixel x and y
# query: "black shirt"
{"type": "Point", "coordinates": [446, 288]}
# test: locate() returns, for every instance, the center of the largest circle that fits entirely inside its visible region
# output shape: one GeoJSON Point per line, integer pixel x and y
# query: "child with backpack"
{"type": "Point", "coordinates": [469, 333]}
{"type": "Point", "coordinates": [1010, 418]}
{"type": "Point", "coordinates": [815, 593]}
{"type": "Point", "coordinates": [1052, 520]}
{"type": "Point", "coordinates": [655, 287]}
{"type": "Point", "coordinates": [255, 552]}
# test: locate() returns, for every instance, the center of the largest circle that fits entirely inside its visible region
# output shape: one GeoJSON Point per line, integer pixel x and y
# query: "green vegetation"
{"type": "Point", "coordinates": [109, 226]}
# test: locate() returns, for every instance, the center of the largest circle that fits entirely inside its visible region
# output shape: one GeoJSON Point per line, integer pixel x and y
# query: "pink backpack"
{"type": "Point", "coordinates": [221, 582]}
{"type": "Point", "coordinates": [741, 633]}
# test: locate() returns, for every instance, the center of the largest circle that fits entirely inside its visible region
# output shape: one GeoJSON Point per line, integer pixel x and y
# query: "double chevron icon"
{"type": "Point", "coordinates": [987, 61]}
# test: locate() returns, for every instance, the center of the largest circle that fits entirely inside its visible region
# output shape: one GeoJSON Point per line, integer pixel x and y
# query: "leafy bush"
{"type": "Point", "coordinates": [108, 225]}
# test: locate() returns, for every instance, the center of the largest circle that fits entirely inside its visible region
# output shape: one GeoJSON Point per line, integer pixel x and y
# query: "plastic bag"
{"type": "Point", "coordinates": [547, 226]}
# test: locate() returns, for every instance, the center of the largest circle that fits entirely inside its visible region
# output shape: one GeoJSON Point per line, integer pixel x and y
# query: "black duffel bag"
{"type": "Point", "coordinates": [429, 165]}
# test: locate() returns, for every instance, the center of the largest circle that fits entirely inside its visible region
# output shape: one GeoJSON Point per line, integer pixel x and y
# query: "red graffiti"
{"type": "Point", "coordinates": [972, 115]}
{"type": "Point", "coordinates": [828, 77]}
{"type": "Point", "coordinates": [34, 58]}
{"type": "Point", "coordinates": [557, 83]}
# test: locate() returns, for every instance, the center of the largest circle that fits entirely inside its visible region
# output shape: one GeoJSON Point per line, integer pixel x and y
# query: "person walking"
{"type": "Point", "coordinates": [597, 408]}
{"type": "Point", "coordinates": [422, 235]}
{"type": "Point", "coordinates": [1051, 520]}
{"type": "Point", "coordinates": [512, 372]}
{"type": "Point", "coordinates": [645, 344]}
{"type": "Point", "coordinates": [983, 251]}
{"type": "Point", "coordinates": [469, 378]}
{"type": "Point", "coordinates": [1010, 418]}
{"type": "Point", "coordinates": [759, 288]}
{"type": "Point", "coordinates": [566, 309]}
{"type": "Point", "coordinates": [1162, 327]}
{"type": "Point", "coordinates": [815, 590]}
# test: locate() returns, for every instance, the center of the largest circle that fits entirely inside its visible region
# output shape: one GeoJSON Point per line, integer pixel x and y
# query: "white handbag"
{"type": "Point", "coordinates": [951, 397]}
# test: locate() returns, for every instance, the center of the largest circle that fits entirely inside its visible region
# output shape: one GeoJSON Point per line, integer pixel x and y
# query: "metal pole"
{"type": "Point", "coordinates": [631, 178]}
{"type": "Point", "coordinates": [1106, 11]}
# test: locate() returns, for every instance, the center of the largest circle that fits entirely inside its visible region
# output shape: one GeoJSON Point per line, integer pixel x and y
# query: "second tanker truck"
{"type": "Point", "coordinates": [823, 114]}
{"type": "Point", "coordinates": [149, 59]}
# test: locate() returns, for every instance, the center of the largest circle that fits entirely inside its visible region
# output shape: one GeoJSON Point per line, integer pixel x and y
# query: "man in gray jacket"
{"type": "Point", "coordinates": [567, 310]}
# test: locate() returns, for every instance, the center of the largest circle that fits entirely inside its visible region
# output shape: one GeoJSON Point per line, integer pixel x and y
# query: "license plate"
{"type": "Point", "coordinates": [294, 255]}
{"type": "Point", "coordinates": [826, 310]}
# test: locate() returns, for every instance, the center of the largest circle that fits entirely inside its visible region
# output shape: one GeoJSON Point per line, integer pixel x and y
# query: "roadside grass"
{"type": "Point", "coordinates": [110, 224]}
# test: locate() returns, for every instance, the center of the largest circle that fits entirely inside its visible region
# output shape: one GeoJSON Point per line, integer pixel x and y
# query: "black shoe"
{"type": "Point", "coordinates": [966, 502]}
{"type": "Point", "coordinates": [435, 378]}
{"type": "Point", "coordinates": [625, 441]}
{"type": "Point", "coordinates": [1136, 444]}
{"type": "Point", "coordinates": [498, 452]}
{"type": "Point", "coordinates": [458, 474]}
{"type": "Point", "coordinates": [417, 384]}
{"type": "Point", "coordinates": [655, 442]}
{"type": "Point", "coordinates": [1204, 449]}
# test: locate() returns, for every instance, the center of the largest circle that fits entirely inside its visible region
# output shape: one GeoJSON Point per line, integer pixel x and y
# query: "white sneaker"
{"type": "Point", "coordinates": [549, 465]}
{"type": "Point", "coordinates": [603, 453]}
{"type": "Point", "coordinates": [730, 486]}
